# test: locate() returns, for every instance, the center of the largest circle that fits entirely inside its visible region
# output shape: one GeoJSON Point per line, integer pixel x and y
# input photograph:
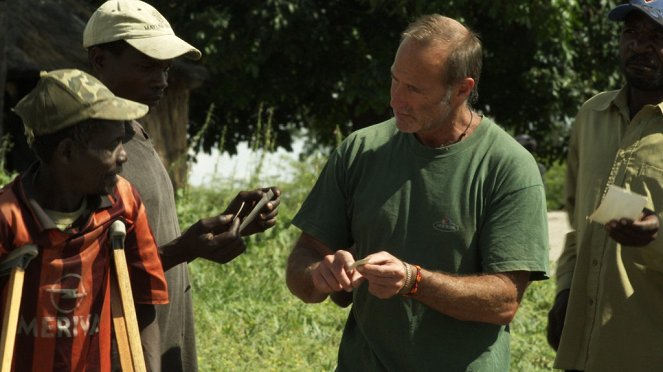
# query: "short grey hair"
{"type": "Point", "coordinates": [465, 53]}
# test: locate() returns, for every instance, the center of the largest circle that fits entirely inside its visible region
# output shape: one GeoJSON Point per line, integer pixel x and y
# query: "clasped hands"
{"type": "Point", "coordinates": [385, 274]}
{"type": "Point", "coordinates": [218, 238]}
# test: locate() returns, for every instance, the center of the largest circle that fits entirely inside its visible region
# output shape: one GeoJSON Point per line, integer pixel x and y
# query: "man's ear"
{"type": "Point", "coordinates": [464, 88]}
{"type": "Point", "coordinates": [64, 151]}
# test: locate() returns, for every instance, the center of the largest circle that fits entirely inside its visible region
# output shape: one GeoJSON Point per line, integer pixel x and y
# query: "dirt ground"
{"type": "Point", "coordinates": [558, 226]}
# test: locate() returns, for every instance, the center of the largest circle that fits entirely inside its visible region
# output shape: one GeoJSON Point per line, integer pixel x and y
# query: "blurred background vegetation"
{"type": "Point", "coordinates": [324, 65]}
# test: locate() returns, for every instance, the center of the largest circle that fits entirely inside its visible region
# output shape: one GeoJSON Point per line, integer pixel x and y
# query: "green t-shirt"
{"type": "Point", "coordinates": [477, 206]}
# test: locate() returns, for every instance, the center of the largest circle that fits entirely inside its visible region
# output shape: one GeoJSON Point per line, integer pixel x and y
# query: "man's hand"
{"type": "Point", "coordinates": [556, 317]}
{"type": "Point", "coordinates": [385, 274]}
{"type": "Point", "coordinates": [216, 239]}
{"type": "Point", "coordinates": [267, 216]}
{"type": "Point", "coordinates": [634, 233]}
{"type": "Point", "coordinates": [332, 275]}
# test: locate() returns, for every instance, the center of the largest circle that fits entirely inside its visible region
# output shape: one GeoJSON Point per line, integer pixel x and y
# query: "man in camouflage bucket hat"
{"type": "Point", "coordinates": [130, 48]}
{"type": "Point", "coordinates": [65, 204]}
{"type": "Point", "coordinates": [64, 98]}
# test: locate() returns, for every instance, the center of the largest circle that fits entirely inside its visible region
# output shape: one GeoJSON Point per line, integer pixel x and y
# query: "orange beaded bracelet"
{"type": "Point", "coordinates": [417, 279]}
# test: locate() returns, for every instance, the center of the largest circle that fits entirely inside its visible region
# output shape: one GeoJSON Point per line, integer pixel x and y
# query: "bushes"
{"type": "Point", "coordinates": [554, 181]}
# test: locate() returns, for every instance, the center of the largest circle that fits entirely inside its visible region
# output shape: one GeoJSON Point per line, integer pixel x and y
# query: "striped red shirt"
{"type": "Point", "coordinates": [65, 320]}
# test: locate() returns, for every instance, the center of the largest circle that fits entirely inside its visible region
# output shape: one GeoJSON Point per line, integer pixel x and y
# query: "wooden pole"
{"type": "Point", "coordinates": [120, 328]}
{"type": "Point", "coordinates": [19, 259]}
{"type": "Point", "coordinates": [117, 234]}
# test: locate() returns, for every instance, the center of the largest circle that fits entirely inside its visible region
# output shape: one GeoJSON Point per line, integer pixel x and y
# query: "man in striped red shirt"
{"type": "Point", "coordinates": [65, 204]}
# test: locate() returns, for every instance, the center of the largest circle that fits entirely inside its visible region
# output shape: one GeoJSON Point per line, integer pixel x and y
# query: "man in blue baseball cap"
{"type": "Point", "coordinates": [607, 312]}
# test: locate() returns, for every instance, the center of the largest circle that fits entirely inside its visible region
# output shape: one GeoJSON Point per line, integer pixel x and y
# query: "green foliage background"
{"type": "Point", "coordinates": [324, 64]}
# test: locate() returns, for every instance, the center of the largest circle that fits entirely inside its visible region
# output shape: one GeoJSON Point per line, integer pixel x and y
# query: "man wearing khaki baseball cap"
{"type": "Point", "coordinates": [141, 26]}
{"type": "Point", "coordinates": [130, 49]}
{"type": "Point", "coordinates": [65, 204]}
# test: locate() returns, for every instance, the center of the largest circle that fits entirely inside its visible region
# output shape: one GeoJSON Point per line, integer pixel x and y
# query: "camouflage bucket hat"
{"type": "Point", "coordinates": [140, 25]}
{"type": "Point", "coordinates": [63, 98]}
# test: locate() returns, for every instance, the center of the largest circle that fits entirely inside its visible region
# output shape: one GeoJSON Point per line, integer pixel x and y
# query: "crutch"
{"type": "Point", "coordinates": [125, 322]}
{"type": "Point", "coordinates": [13, 265]}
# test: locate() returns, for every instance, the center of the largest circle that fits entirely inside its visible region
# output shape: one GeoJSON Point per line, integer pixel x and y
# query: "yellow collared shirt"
{"type": "Point", "coordinates": [614, 320]}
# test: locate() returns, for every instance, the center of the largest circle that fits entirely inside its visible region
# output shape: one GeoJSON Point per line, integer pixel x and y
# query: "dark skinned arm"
{"type": "Point", "coordinates": [218, 238]}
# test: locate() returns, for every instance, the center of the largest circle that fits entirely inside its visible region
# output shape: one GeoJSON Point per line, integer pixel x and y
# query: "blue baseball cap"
{"type": "Point", "coordinates": [651, 8]}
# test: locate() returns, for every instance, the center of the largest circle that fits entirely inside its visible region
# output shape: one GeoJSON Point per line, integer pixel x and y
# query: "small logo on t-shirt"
{"type": "Point", "coordinates": [445, 225]}
{"type": "Point", "coordinates": [67, 294]}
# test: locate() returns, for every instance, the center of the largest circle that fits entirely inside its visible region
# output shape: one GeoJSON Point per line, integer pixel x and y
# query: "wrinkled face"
{"type": "Point", "coordinates": [641, 52]}
{"type": "Point", "coordinates": [96, 164]}
{"type": "Point", "coordinates": [419, 98]}
{"type": "Point", "coordinates": [133, 75]}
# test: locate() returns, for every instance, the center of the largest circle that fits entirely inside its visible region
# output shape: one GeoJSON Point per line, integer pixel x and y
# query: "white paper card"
{"type": "Point", "coordinates": [618, 203]}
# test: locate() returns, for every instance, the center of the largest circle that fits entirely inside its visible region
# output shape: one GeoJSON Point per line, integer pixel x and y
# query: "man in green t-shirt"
{"type": "Point", "coordinates": [431, 224]}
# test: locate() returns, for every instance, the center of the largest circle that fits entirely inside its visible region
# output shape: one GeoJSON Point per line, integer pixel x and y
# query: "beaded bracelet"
{"type": "Point", "coordinates": [417, 279]}
{"type": "Point", "coordinates": [408, 277]}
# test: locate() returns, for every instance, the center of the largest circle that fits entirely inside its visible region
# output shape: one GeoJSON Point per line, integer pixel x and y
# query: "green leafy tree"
{"type": "Point", "coordinates": [324, 64]}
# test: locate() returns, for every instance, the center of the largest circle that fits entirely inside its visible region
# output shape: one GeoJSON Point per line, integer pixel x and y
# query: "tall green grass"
{"type": "Point", "coordinates": [247, 319]}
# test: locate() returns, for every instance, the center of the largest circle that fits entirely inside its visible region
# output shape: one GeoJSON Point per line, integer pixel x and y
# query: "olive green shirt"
{"type": "Point", "coordinates": [477, 206]}
{"type": "Point", "coordinates": [614, 320]}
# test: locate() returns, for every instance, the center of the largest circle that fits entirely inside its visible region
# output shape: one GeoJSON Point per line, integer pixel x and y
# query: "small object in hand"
{"type": "Point", "coordinates": [363, 261]}
{"type": "Point", "coordinates": [617, 204]}
{"type": "Point", "coordinates": [256, 210]}
{"type": "Point", "coordinates": [239, 211]}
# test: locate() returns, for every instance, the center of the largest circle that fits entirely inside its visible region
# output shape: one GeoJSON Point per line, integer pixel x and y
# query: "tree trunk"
{"type": "Point", "coordinates": [3, 66]}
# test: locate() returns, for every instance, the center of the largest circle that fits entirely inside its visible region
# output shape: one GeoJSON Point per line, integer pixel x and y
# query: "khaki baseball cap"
{"type": "Point", "coordinates": [63, 98]}
{"type": "Point", "coordinates": [140, 25]}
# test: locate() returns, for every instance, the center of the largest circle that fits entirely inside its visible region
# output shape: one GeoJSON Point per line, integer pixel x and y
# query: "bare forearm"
{"type": "Point", "coordinates": [486, 298]}
{"type": "Point", "coordinates": [315, 272]}
{"type": "Point", "coordinates": [301, 263]}
{"type": "Point", "coordinates": [173, 254]}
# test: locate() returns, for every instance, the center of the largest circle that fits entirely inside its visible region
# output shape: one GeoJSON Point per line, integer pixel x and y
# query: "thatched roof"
{"type": "Point", "coordinates": [45, 35]}
{"type": "Point", "coordinates": [48, 34]}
